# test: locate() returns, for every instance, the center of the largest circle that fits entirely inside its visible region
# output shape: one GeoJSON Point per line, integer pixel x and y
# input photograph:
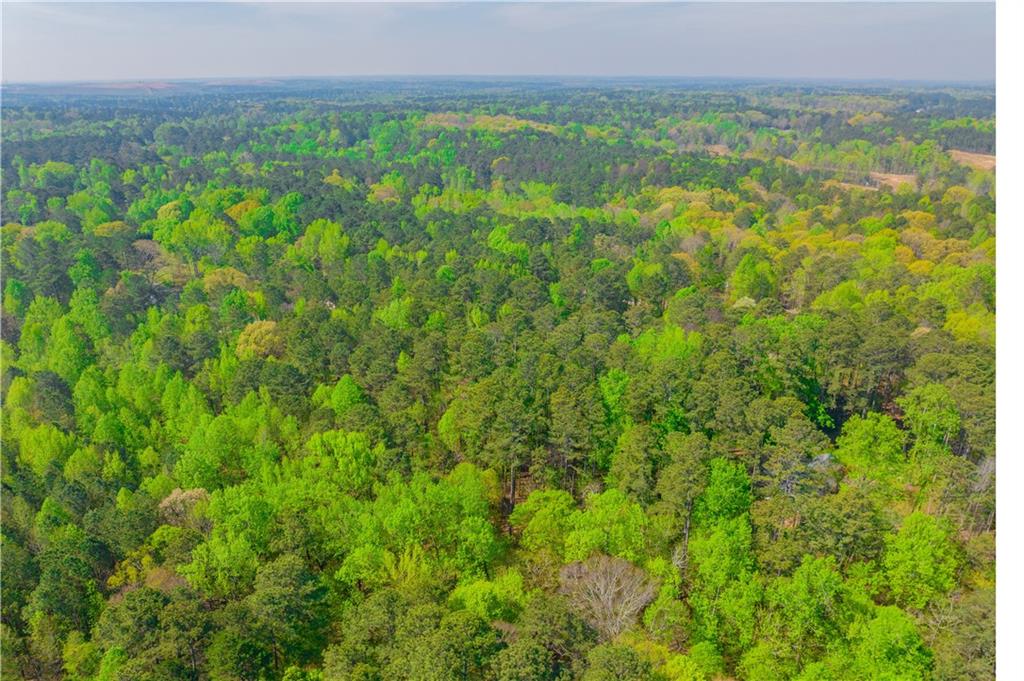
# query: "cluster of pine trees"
{"type": "Point", "coordinates": [459, 383]}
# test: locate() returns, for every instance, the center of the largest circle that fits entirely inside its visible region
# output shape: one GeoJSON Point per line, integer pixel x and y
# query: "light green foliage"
{"type": "Point", "coordinates": [931, 413]}
{"type": "Point", "coordinates": [395, 315]}
{"type": "Point", "coordinates": [727, 494]}
{"type": "Point", "coordinates": [200, 235]}
{"type": "Point", "coordinates": [111, 664]}
{"type": "Point", "coordinates": [499, 240]}
{"type": "Point", "coordinates": [613, 387]}
{"type": "Point", "coordinates": [805, 613]}
{"type": "Point", "coordinates": [920, 561]}
{"type": "Point", "coordinates": [324, 243]}
{"type": "Point", "coordinates": [610, 523]}
{"type": "Point", "coordinates": [443, 525]}
{"type": "Point", "coordinates": [682, 668]}
{"type": "Point", "coordinates": [753, 278]}
{"type": "Point", "coordinates": [344, 395]}
{"type": "Point", "coordinates": [889, 647]}
{"type": "Point", "coordinates": [183, 407]}
{"type": "Point", "coordinates": [436, 381]}
{"type": "Point", "coordinates": [84, 313]}
{"type": "Point", "coordinates": [52, 173]}
{"type": "Point", "coordinates": [670, 344]}
{"type": "Point", "coordinates": [499, 599]}
{"type": "Point", "coordinates": [33, 344]}
{"type": "Point", "coordinates": [762, 662]}
{"type": "Point", "coordinates": [351, 454]}
{"type": "Point", "coordinates": [647, 281]}
{"type": "Point", "coordinates": [872, 446]}
{"type": "Point", "coordinates": [213, 449]}
{"type": "Point", "coordinates": [50, 518]}
{"type": "Point", "coordinates": [726, 592]}
{"type": "Point", "coordinates": [722, 554]}
{"type": "Point", "coordinates": [44, 446]}
{"type": "Point", "coordinates": [222, 567]}
{"type": "Point", "coordinates": [544, 520]}
{"type": "Point", "coordinates": [707, 658]}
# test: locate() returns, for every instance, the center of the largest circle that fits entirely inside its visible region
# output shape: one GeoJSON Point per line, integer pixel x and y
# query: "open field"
{"type": "Point", "coordinates": [974, 160]}
{"type": "Point", "coordinates": [894, 180]}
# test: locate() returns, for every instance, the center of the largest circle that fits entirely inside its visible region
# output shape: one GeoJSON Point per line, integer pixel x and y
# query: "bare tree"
{"type": "Point", "coordinates": [176, 508]}
{"type": "Point", "coordinates": [609, 592]}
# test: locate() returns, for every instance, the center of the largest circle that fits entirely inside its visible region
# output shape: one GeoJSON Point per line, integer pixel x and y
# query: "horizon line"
{"type": "Point", "coordinates": [498, 76]}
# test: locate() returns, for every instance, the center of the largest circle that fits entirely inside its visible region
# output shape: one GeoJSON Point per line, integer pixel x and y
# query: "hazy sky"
{"type": "Point", "coordinates": [861, 40]}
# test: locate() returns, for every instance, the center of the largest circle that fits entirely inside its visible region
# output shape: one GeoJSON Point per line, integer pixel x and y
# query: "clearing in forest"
{"type": "Point", "coordinates": [974, 160]}
{"type": "Point", "coordinates": [894, 180]}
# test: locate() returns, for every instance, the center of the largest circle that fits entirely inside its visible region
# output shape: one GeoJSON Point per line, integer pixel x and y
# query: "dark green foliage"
{"type": "Point", "coordinates": [439, 381]}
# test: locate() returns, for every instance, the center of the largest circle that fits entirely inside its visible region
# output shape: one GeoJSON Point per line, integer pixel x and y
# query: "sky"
{"type": "Point", "coordinates": [936, 41]}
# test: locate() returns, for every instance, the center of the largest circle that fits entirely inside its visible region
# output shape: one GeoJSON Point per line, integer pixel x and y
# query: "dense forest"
{"type": "Point", "coordinates": [496, 380]}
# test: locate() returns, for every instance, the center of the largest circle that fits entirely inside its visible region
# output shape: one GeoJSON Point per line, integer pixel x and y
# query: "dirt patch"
{"type": "Point", "coordinates": [499, 123]}
{"type": "Point", "coordinates": [891, 180]}
{"type": "Point", "coordinates": [894, 180]}
{"type": "Point", "coordinates": [717, 149]}
{"type": "Point", "coordinates": [973, 160]}
{"type": "Point", "coordinates": [849, 185]}
{"type": "Point", "coordinates": [449, 120]}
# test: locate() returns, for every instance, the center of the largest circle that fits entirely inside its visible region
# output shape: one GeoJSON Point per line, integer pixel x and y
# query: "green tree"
{"type": "Point", "coordinates": [633, 462]}
{"type": "Point", "coordinates": [609, 662]}
{"type": "Point", "coordinates": [920, 561]}
{"type": "Point", "coordinates": [681, 482]}
{"type": "Point", "coordinates": [610, 524]}
{"type": "Point", "coordinates": [289, 605]}
{"type": "Point", "coordinates": [872, 446]}
{"type": "Point", "coordinates": [889, 647]}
